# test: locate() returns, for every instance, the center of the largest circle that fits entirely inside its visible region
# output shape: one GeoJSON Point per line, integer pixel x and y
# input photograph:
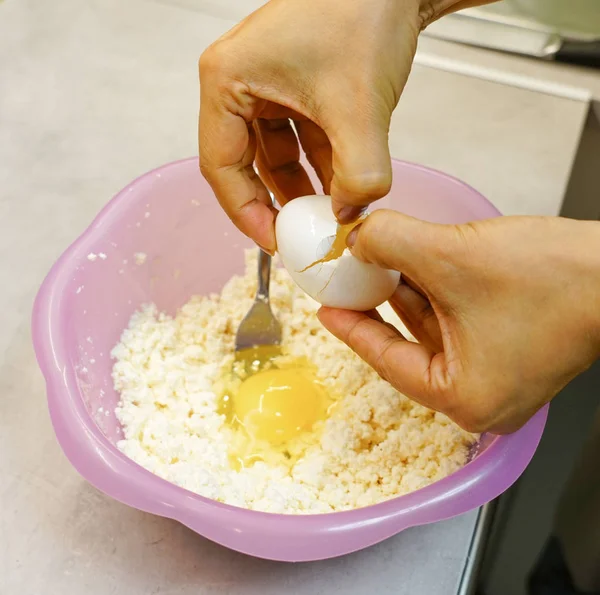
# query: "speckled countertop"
{"type": "Point", "coordinates": [95, 92]}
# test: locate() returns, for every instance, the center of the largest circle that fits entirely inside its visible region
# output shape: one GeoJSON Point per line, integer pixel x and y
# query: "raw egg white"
{"type": "Point", "coordinates": [306, 231]}
{"type": "Point", "coordinates": [270, 405]}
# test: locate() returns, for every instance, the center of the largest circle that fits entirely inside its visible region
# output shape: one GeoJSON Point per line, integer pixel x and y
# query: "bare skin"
{"type": "Point", "coordinates": [506, 312]}
{"type": "Point", "coordinates": [333, 68]}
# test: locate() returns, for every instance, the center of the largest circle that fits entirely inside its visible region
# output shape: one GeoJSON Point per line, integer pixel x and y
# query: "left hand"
{"type": "Point", "coordinates": [336, 68]}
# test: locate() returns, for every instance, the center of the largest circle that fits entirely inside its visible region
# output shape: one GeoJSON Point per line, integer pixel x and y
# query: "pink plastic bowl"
{"type": "Point", "coordinates": [190, 247]}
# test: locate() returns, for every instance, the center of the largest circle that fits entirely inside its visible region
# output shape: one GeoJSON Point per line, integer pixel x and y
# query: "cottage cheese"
{"type": "Point", "coordinates": [375, 445]}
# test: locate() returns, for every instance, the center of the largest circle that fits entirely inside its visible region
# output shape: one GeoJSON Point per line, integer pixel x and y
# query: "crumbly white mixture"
{"type": "Point", "coordinates": [377, 444]}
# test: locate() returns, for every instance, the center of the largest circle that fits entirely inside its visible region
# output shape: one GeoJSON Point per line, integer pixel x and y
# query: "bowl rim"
{"type": "Point", "coordinates": [102, 464]}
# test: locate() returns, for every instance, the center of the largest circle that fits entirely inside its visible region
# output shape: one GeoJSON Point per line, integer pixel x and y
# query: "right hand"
{"type": "Point", "coordinates": [337, 69]}
{"type": "Point", "coordinates": [506, 312]}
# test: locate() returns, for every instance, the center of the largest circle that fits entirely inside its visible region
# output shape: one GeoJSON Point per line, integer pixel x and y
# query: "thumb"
{"type": "Point", "coordinates": [395, 241]}
{"type": "Point", "coordinates": [361, 163]}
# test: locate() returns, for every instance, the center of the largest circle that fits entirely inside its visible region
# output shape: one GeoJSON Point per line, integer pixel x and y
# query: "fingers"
{"type": "Point", "coordinates": [362, 168]}
{"type": "Point", "coordinates": [418, 315]}
{"type": "Point", "coordinates": [317, 148]}
{"type": "Point", "coordinates": [395, 241]}
{"type": "Point", "coordinates": [278, 160]}
{"type": "Point", "coordinates": [227, 166]}
{"type": "Point", "coordinates": [409, 367]}
{"type": "Point", "coordinates": [375, 315]}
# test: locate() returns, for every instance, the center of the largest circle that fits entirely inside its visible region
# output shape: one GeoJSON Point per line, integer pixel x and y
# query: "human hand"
{"type": "Point", "coordinates": [506, 312]}
{"type": "Point", "coordinates": [336, 68]}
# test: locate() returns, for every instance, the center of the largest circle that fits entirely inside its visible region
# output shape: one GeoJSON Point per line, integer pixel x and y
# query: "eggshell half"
{"type": "Point", "coordinates": [305, 229]}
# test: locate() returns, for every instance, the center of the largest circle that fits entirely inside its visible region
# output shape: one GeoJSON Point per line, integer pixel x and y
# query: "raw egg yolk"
{"type": "Point", "coordinates": [277, 405]}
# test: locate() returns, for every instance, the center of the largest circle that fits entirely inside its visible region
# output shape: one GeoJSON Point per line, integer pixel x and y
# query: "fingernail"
{"type": "Point", "coordinates": [269, 251]}
{"type": "Point", "coordinates": [351, 239]}
{"type": "Point", "coordinates": [350, 214]}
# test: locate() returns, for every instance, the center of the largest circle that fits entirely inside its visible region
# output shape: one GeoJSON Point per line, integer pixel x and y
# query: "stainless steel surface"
{"type": "Point", "coordinates": [471, 573]}
{"type": "Point", "coordinates": [507, 32]}
{"type": "Point", "coordinates": [497, 34]}
{"type": "Point", "coordinates": [259, 326]}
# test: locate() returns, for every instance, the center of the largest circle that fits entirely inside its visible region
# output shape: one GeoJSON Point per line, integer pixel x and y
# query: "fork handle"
{"type": "Point", "coordinates": [264, 274]}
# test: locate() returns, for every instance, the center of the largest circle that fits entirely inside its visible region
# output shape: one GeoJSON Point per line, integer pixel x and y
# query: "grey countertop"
{"type": "Point", "coordinates": [95, 92]}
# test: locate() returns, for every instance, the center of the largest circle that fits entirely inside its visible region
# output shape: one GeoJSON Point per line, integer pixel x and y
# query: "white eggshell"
{"type": "Point", "coordinates": [304, 229]}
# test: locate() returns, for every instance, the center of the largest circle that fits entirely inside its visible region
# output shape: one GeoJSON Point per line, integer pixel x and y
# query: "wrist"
{"type": "Point", "coordinates": [595, 272]}
{"type": "Point", "coordinates": [431, 10]}
{"type": "Point", "coordinates": [583, 253]}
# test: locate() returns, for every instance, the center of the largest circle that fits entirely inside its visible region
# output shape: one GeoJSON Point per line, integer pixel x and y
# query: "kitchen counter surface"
{"type": "Point", "coordinates": [95, 93]}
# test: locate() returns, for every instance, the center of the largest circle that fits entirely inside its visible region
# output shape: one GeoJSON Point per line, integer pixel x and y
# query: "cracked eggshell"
{"type": "Point", "coordinates": [305, 228]}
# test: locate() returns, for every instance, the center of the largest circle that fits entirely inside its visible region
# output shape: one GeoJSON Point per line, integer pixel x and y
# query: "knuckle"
{"type": "Point", "coordinates": [473, 415]}
{"type": "Point", "coordinates": [466, 244]}
{"type": "Point", "coordinates": [470, 402]}
{"type": "Point", "coordinates": [366, 187]}
{"type": "Point", "coordinates": [211, 61]}
{"type": "Point", "coordinates": [376, 221]}
{"type": "Point", "coordinates": [474, 424]}
{"type": "Point", "coordinates": [462, 402]}
{"type": "Point", "coordinates": [425, 314]}
{"type": "Point", "coordinates": [290, 168]}
{"type": "Point", "coordinates": [205, 169]}
{"type": "Point", "coordinates": [381, 364]}
{"type": "Point", "coordinates": [371, 234]}
{"type": "Point", "coordinates": [352, 338]}
{"type": "Point", "coordinates": [377, 360]}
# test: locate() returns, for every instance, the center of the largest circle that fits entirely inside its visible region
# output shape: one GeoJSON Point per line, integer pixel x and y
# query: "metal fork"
{"type": "Point", "coordinates": [259, 327]}
{"type": "Point", "coordinates": [259, 334]}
